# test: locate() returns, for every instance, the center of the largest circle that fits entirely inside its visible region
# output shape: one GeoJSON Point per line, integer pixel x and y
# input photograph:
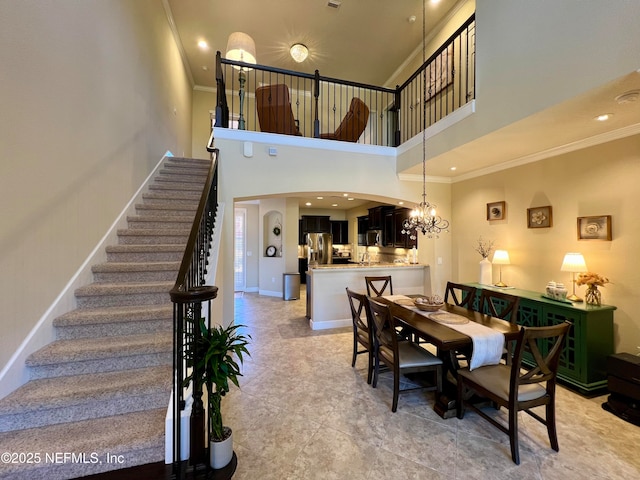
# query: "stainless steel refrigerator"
{"type": "Point", "coordinates": [319, 248]}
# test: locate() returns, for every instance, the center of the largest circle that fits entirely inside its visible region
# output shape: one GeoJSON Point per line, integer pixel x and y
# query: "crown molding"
{"type": "Point", "coordinates": [555, 151]}
{"type": "Point", "coordinates": [178, 41]}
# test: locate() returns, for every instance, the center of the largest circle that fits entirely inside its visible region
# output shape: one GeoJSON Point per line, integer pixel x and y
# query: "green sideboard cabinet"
{"type": "Point", "coordinates": [583, 363]}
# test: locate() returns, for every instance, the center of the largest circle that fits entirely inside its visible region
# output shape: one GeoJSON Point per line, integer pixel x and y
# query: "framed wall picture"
{"type": "Point", "coordinates": [594, 228]}
{"type": "Point", "coordinates": [496, 211]}
{"type": "Point", "coordinates": [539, 217]}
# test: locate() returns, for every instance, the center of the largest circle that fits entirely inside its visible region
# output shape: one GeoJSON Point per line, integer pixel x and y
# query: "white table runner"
{"type": "Point", "coordinates": [488, 344]}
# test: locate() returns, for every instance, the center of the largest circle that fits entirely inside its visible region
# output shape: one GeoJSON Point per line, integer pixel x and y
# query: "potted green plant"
{"type": "Point", "coordinates": [216, 350]}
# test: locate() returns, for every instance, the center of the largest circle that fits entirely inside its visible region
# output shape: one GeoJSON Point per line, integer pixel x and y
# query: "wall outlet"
{"type": "Point", "coordinates": [273, 279]}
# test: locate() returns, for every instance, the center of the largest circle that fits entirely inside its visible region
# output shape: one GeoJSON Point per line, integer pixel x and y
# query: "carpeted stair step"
{"type": "Point", "coordinates": [94, 355]}
{"type": "Point", "coordinates": [153, 236]}
{"type": "Point", "coordinates": [174, 198]}
{"type": "Point", "coordinates": [186, 162]}
{"type": "Point", "coordinates": [142, 253]}
{"type": "Point", "coordinates": [161, 209]}
{"type": "Point", "coordinates": [170, 222]}
{"type": "Point", "coordinates": [169, 186]}
{"type": "Point", "coordinates": [113, 321]}
{"type": "Point", "coordinates": [115, 294]}
{"type": "Point", "coordinates": [130, 439]}
{"type": "Point", "coordinates": [50, 401]}
{"type": "Point", "coordinates": [128, 272]}
{"type": "Point", "coordinates": [181, 175]}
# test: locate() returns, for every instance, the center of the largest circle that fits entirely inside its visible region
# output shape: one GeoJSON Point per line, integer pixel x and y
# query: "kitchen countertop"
{"type": "Point", "coordinates": [365, 265]}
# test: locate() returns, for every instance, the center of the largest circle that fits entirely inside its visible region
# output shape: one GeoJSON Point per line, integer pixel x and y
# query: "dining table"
{"type": "Point", "coordinates": [447, 340]}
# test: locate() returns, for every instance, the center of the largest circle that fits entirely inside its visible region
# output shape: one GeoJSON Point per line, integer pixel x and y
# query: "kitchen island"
{"type": "Point", "coordinates": [327, 304]}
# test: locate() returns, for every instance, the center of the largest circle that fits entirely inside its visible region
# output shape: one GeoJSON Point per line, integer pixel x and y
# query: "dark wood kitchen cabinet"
{"type": "Point", "coordinates": [363, 226]}
{"type": "Point", "coordinates": [402, 239]}
{"type": "Point", "coordinates": [316, 224]}
{"type": "Point", "coordinates": [340, 232]}
{"type": "Point", "coordinates": [376, 216]}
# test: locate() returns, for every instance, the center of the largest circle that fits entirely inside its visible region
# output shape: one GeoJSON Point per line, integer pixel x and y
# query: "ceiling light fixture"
{"type": "Point", "coordinates": [604, 117]}
{"type": "Point", "coordinates": [628, 97]}
{"type": "Point", "coordinates": [299, 52]}
{"type": "Point", "coordinates": [203, 45]}
{"type": "Point", "coordinates": [424, 217]}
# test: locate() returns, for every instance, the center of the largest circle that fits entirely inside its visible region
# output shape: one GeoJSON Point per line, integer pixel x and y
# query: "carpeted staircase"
{"type": "Point", "coordinates": [98, 395]}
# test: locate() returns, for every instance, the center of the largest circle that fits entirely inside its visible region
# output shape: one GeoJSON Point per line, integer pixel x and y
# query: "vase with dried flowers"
{"type": "Point", "coordinates": [484, 248]}
{"type": "Point", "coordinates": [592, 280]}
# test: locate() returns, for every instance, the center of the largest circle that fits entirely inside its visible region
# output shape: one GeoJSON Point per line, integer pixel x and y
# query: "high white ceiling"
{"type": "Point", "coordinates": [367, 41]}
{"type": "Point", "coordinates": [363, 40]}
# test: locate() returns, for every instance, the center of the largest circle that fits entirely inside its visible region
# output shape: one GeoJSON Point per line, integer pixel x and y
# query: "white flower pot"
{"type": "Point", "coordinates": [221, 453]}
{"type": "Point", "coordinates": [486, 274]}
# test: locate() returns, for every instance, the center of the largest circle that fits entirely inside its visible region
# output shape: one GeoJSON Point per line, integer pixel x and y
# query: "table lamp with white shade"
{"type": "Point", "coordinates": [501, 257]}
{"type": "Point", "coordinates": [574, 263]}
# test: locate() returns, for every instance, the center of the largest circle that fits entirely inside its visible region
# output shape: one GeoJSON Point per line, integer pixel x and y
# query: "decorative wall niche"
{"type": "Point", "coordinates": [272, 234]}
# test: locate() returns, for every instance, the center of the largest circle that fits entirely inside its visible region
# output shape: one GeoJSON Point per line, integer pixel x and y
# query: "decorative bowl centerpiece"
{"type": "Point", "coordinates": [429, 304]}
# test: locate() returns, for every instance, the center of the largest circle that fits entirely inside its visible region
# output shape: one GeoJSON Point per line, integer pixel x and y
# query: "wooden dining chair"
{"type": "Point", "coordinates": [377, 286]}
{"type": "Point", "coordinates": [504, 306]}
{"type": "Point", "coordinates": [461, 295]}
{"type": "Point", "coordinates": [518, 389]}
{"type": "Point", "coordinates": [499, 304]}
{"type": "Point", "coordinates": [401, 356]}
{"type": "Point", "coordinates": [362, 333]}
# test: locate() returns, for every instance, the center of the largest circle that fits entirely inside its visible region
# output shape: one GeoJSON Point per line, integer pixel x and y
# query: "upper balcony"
{"type": "Point", "coordinates": [265, 99]}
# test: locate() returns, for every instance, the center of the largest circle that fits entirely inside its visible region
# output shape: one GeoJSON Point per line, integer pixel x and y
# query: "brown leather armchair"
{"type": "Point", "coordinates": [274, 110]}
{"type": "Point", "coordinates": [353, 123]}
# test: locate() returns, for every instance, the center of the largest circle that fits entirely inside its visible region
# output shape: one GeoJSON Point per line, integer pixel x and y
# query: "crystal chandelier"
{"type": "Point", "coordinates": [424, 218]}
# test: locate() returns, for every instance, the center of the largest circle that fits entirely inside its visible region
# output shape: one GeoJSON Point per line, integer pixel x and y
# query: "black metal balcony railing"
{"type": "Point", "coordinates": [319, 104]}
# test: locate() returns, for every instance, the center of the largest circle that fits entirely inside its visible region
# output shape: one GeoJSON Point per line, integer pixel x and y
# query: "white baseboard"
{"type": "Point", "coordinates": [347, 322]}
{"type": "Point", "coordinates": [270, 293]}
{"type": "Point", "coordinates": [15, 373]}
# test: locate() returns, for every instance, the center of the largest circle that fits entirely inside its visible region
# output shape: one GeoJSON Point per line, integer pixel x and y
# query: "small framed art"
{"type": "Point", "coordinates": [594, 228]}
{"type": "Point", "coordinates": [496, 211]}
{"type": "Point", "coordinates": [539, 217]}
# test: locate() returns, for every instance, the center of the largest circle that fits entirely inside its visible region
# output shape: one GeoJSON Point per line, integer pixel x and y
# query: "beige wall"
{"type": "Point", "coordinates": [204, 102]}
{"type": "Point", "coordinates": [600, 180]}
{"type": "Point", "coordinates": [532, 55]}
{"type": "Point", "coordinates": [93, 94]}
{"type": "Point", "coordinates": [309, 165]}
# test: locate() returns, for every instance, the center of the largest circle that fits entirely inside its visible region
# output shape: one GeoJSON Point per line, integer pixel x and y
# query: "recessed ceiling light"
{"type": "Point", "coordinates": [319, 198]}
{"type": "Point", "coordinates": [203, 45]}
{"type": "Point", "coordinates": [604, 117]}
{"type": "Point", "coordinates": [308, 204]}
{"type": "Point", "coordinates": [334, 204]}
{"type": "Point", "coordinates": [628, 97]}
{"type": "Point", "coordinates": [350, 199]}
{"type": "Point", "coordinates": [345, 194]}
{"type": "Point", "coordinates": [453, 169]}
{"type": "Point", "coordinates": [400, 203]}
{"type": "Point", "coordinates": [205, 68]}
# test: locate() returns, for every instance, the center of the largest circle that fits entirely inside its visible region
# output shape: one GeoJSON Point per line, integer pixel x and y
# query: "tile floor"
{"type": "Point", "coordinates": [303, 412]}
